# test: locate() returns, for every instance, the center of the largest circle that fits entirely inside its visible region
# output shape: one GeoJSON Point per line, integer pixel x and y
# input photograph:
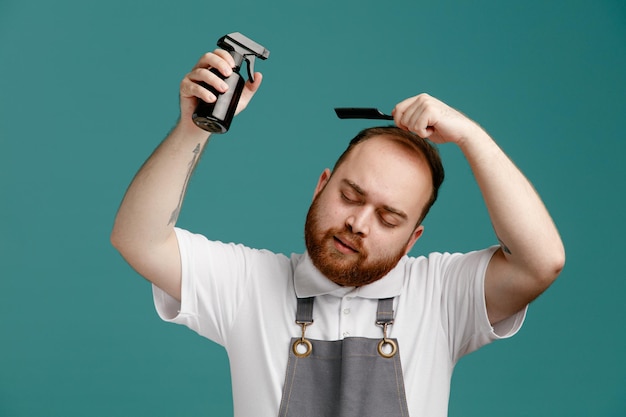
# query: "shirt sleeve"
{"type": "Point", "coordinates": [214, 278]}
{"type": "Point", "coordinates": [464, 309]}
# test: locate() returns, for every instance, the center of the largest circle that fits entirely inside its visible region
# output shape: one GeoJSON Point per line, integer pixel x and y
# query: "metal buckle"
{"type": "Point", "coordinates": [386, 342]}
{"type": "Point", "coordinates": [302, 342]}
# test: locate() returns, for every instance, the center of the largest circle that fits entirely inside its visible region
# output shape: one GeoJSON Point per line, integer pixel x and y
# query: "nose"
{"type": "Point", "coordinates": [357, 223]}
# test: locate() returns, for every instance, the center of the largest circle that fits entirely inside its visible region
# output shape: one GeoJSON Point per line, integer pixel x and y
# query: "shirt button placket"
{"type": "Point", "coordinates": [345, 321]}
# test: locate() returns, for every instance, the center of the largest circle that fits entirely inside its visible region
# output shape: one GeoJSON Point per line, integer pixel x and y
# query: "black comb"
{"type": "Point", "coordinates": [361, 113]}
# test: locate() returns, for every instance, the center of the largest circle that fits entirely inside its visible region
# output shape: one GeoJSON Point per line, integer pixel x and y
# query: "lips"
{"type": "Point", "coordinates": [345, 245]}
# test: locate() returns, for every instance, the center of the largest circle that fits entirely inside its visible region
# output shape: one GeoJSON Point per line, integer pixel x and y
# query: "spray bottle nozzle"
{"type": "Point", "coordinates": [242, 48]}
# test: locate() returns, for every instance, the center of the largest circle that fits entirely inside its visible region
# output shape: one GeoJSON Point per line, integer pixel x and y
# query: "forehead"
{"type": "Point", "coordinates": [391, 171]}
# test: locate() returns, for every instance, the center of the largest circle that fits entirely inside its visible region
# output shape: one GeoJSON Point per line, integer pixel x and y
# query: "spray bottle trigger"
{"type": "Point", "coordinates": [250, 67]}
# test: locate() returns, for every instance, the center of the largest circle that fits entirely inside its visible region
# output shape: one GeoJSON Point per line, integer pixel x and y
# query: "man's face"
{"type": "Point", "coordinates": [362, 219]}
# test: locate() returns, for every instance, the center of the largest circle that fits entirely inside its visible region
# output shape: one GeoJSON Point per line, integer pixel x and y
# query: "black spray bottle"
{"type": "Point", "coordinates": [216, 117]}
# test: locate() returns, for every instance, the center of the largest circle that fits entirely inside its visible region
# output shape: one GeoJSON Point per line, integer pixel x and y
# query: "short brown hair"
{"type": "Point", "coordinates": [422, 146]}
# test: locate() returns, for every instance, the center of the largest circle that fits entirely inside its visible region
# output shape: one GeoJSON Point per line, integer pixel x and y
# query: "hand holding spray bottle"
{"type": "Point", "coordinates": [216, 117]}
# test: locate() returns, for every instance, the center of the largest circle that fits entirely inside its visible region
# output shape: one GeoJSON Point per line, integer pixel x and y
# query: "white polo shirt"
{"type": "Point", "coordinates": [245, 300]}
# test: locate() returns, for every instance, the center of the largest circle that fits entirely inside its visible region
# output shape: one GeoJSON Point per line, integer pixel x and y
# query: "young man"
{"type": "Point", "coordinates": [353, 327]}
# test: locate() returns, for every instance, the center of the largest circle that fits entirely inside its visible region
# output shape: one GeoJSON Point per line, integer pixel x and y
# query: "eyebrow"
{"type": "Point", "coordinates": [362, 192]}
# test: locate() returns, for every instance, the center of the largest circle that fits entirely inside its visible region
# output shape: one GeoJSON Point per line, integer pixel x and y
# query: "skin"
{"type": "Point", "coordinates": [143, 231]}
{"type": "Point", "coordinates": [371, 204]}
{"type": "Point", "coordinates": [534, 256]}
{"type": "Point", "coordinates": [532, 253]}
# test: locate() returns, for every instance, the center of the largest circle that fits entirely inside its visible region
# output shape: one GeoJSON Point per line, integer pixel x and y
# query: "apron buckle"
{"type": "Point", "coordinates": [302, 342]}
{"type": "Point", "coordinates": [387, 348]}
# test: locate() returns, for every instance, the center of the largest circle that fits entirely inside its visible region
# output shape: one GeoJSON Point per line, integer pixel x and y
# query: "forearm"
{"type": "Point", "coordinates": [532, 253]}
{"type": "Point", "coordinates": [144, 227]}
{"type": "Point", "coordinates": [153, 201]}
{"type": "Point", "coordinates": [150, 208]}
{"type": "Point", "coordinates": [523, 225]}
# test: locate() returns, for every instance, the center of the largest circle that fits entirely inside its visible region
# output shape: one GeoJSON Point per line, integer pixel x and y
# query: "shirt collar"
{"type": "Point", "coordinates": [310, 282]}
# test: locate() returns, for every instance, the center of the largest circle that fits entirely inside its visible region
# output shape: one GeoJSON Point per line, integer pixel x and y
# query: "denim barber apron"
{"type": "Point", "coordinates": [353, 377]}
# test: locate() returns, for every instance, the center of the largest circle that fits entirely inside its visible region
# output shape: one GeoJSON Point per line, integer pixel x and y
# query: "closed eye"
{"type": "Point", "coordinates": [349, 199]}
{"type": "Point", "coordinates": [386, 223]}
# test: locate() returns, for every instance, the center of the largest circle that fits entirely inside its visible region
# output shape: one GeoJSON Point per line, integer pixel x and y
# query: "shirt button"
{"type": "Point", "coordinates": [346, 334]}
{"type": "Point", "coordinates": [346, 311]}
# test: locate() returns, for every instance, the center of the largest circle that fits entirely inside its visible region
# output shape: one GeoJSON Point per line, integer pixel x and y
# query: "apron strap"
{"type": "Point", "coordinates": [304, 314]}
{"type": "Point", "coordinates": [387, 348]}
{"type": "Point", "coordinates": [384, 315]}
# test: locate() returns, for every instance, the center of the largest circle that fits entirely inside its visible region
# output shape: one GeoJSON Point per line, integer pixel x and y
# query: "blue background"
{"type": "Point", "coordinates": [88, 89]}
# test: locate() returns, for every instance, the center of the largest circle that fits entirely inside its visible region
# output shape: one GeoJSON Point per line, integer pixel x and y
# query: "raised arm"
{"type": "Point", "coordinates": [531, 254]}
{"type": "Point", "coordinates": [144, 226]}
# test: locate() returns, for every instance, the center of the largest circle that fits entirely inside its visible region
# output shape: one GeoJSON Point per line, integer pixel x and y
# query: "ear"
{"type": "Point", "coordinates": [417, 233]}
{"type": "Point", "coordinates": [321, 183]}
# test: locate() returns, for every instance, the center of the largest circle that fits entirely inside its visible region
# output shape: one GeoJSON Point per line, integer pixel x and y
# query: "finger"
{"type": "Point", "coordinates": [190, 89]}
{"type": "Point", "coordinates": [403, 115]}
{"type": "Point", "coordinates": [226, 56]}
{"type": "Point", "coordinates": [252, 87]}
{"type": "Point", "coordinates": [397, 114]}
{"type": "Point", "coordinates": [400, 112]}
{"type": "Point", "coordinates": [204, 75]}
{"type": "Point", "coordinates": [219, 59]}
{"type": "Point", "coordinates": [249, 90]}
{"type": "Point", "coordinates": [419, 121]}
{"type": "Point", "coordinates": [418, 115]}
{"type": "Point", "coordinates": [410, 119]}
{"type": "Point", "coordinates": [404, 104]}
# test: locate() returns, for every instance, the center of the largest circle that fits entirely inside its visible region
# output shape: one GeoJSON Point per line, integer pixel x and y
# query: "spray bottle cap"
{"type": "Point", "coordinates": [241, 47]}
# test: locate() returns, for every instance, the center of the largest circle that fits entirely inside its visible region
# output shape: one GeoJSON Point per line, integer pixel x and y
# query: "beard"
{"type": "Point", "coordinates": [349, 270]}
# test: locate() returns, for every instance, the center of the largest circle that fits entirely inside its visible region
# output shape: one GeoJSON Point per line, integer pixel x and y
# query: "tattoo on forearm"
{"type": "Point", "coordinates": [192, 164]}
{"type": "Point", "coordinates": [504, 247]}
